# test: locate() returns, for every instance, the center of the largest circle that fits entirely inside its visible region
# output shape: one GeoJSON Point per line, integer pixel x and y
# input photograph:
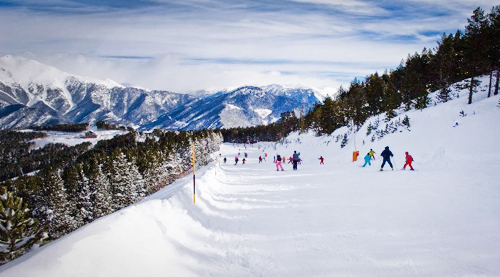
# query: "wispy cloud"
{"type": "Point", "coordinates": [186, 45]}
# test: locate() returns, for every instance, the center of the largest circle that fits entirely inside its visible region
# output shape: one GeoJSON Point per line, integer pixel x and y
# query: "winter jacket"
{"type": "Point", "coordinates": [409, 159]}
{"type": "Point", "coordinates": [278, 157]}
{"type": "Point", "coordinates": [368, 158]}
{"type": "Point", "coordinates": [295, 157]}
{"type": "Point", "coordinates": [387, 154]}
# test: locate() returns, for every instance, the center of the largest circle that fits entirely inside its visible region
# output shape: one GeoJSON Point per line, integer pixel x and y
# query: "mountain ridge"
{"type": "Point", "coordinates": [48, 95]}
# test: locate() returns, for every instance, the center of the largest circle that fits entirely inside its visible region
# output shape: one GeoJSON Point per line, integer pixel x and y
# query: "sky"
{"type": "Point", "coordinates": [189, 45]}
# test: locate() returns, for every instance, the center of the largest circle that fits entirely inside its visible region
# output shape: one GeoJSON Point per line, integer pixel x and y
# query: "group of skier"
{"type": "Point", "coordinates": [386, 158]}
{"type": "Point", "coordinates": [295, 159]}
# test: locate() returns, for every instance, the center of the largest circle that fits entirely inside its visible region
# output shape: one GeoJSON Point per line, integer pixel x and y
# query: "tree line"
{"type": "Point", "coordinates": [463, 55]}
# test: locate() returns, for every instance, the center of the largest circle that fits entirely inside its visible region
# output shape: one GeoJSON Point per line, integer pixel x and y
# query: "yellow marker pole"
{"type": "Point", "coordinates": [194, 175]}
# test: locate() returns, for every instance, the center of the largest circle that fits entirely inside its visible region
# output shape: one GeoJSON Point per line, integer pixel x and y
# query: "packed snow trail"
{"type": "Point", "coordinates": [337, 219]}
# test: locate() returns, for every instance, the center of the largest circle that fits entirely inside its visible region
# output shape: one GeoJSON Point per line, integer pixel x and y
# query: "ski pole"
{"type": "Point", "coordinates": [394, 161]}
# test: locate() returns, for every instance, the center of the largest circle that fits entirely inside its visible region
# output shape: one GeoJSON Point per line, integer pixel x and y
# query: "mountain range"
{"type": "Point", "coordinates": [32, 93]}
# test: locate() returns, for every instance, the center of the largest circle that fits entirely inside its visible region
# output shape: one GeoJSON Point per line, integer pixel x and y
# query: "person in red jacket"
{"type": "Point", "coordinates": [321, 159]}
{"type": "Point", "coordinates": [409, 160]}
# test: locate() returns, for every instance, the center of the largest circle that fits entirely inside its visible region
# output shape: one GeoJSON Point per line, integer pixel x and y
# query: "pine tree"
{"type": "Point", "coordinates": [56, 209]}
{"type": "Point", "coordinates": [344, 141]}
{"type": "Point", "coordinates": [406, 121]}
{"type": "Point", "coordinates": [101, 198]}
{"type": "Point", "coordinates": [18, 230]}
{"type": "Point", "coordinates": [476, 40]}
{"type": "Point", "coordinates": [494, 50]}
{"type": "Point", "coordinates": [126, 181]}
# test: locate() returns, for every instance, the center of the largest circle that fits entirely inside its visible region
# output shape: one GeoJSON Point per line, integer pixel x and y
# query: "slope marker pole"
{"type": "Point", "coordinates": [194, 175]}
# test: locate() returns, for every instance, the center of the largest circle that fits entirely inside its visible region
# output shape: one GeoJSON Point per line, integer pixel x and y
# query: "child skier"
{"type": "Point", "coordinates": [386, 154]}
{"type": "Point", "coordinates": [260, 159]}
{"type": "Point", "coordinates": [409, 160]}
{"type": "Point", "coordinates": [372, 154]}
{"type": "Point", "coordinates": [244, 160]}
{"type": "Point", "coordinates": [278, 163]}
{"type": "Point", "coordinates": [235, 160]}
{"type": "Point", "coordinates": [368, 158]}
{"type": "Point", "coordinates": [321, 160]}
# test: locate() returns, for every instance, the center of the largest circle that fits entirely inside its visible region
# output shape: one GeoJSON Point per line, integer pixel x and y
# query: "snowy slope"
{"type": "Point", "coordinates": [337, 219]}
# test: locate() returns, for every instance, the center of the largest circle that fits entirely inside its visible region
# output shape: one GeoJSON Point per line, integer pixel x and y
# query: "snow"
{"type": "Point", "coordinates": [232, 107]}
{"type": "Point", "coordinates": [71, 139]}
{"type": "Point", "coordinates": [337, 219]}
{"type": "Point", "coordinates": [22, 71]}
{"type": "Point", "coordinates": [263, 112]}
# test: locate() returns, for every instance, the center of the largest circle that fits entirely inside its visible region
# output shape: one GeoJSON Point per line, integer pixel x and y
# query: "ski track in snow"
{"type": "Point", "coordinates": [337, 219]}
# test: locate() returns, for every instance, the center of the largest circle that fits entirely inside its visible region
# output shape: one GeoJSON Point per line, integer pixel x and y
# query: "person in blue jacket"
{"type": "Point", "coordinates": [386, 154]}
{"type": "Point", "coordinates": [368, 158]}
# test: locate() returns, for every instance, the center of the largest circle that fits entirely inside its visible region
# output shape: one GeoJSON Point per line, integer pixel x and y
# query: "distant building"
{"type": "Point", "coordinates": [90, 134]}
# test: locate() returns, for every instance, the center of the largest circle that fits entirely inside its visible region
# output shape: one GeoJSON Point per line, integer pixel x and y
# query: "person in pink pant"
{"type": "Point", "coordinates": [278, 163]}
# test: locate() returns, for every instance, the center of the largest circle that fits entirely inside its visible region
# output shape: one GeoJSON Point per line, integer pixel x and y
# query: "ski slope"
{"type": "Point", "coordinates": [337, 219]}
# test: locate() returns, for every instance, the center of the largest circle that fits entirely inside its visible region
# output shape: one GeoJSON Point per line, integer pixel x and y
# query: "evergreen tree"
{"type": "Point", "coordinates": [494, 38]}
{"type": "Point", "coordinates": [56, 209]}
{"type": "Point", "coordinates": [18, 230]}
{"type": "Point", "coordinates": [123, 180]}
{"type": "Point", "coordinates": [476, 39]}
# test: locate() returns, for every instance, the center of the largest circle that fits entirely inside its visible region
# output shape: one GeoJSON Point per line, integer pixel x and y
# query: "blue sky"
{"type": "Point", "coordinates": [189, 45]}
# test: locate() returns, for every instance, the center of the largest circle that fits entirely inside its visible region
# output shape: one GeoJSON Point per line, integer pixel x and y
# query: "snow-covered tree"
{"type": "Point", "coordinates": [56, 209]}
{"type": "Point", "coordinates": [126, 181]}
{"type": "Point", "coordinates": [101, 192]}
{"type": "Point", "coordinates": [18, 230]}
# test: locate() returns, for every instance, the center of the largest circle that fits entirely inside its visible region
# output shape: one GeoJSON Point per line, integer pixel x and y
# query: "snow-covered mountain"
{"type": "Point", "coordinates": [32, 93]}
{"type": "Point", "coordinates": [241, 107]}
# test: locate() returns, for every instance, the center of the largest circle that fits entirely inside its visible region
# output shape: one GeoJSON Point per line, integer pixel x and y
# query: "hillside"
{"type": "Point", "coordinates": [334, 219]}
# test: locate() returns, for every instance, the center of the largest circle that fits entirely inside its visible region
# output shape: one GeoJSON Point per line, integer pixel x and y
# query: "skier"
{"type": "Point", "coordinates": [244, 160]}
{"type": "Point", "coordinates": [290, 160]}
{"type": "Point", "coordinates": [278, 163]}
{"type": "Point", "coordinates": [409, 160]}
{"type": "Point", "coordinates": [386, 154]}
{"type": "Point", "coordinates": [246, 155]}
{"type": "Point", "coordinates": [321, 159]}
{"type": "Point", "coordinates": [372, 153]}
{"type": "Point", "coordinates": [225, 159]}
{"type": "Point", "coordinates": [235, 160]}
{"type": "Point", "coordinates": [295, 160]}
{"type": "Point", "coordinates": [284, 159]}
{"type": "Point", "coordinates": [260, 159]}
{"type": "Point", "coordinates": [368, 158]}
